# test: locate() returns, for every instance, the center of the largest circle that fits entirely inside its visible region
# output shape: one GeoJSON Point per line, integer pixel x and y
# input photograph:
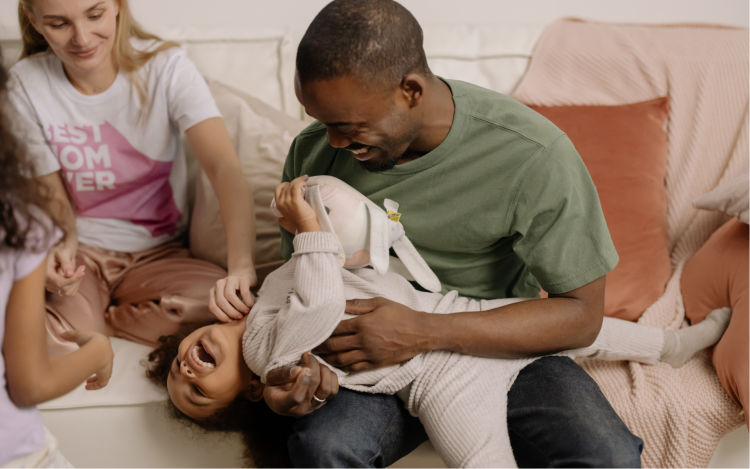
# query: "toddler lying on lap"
{"type": "Point", "coordinates": [458, 398]}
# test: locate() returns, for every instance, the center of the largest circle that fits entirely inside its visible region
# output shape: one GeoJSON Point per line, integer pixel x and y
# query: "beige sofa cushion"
{"type": "Point", "coordinates": [261, 136]}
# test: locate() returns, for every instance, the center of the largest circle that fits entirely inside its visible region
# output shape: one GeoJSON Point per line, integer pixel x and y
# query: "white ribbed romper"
{"type": "Point", "coordinates": [461, 400]}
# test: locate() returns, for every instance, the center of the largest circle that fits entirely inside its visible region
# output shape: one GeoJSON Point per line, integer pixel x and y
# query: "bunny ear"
{"type": "Point", "coordinates": [408, 254]}
{"type": "Point", "coordinates": [379, 242]}
{"type": "Point", "coordinates": [416, 265]}
{"type": "Point", "coordinates": [313, 197]}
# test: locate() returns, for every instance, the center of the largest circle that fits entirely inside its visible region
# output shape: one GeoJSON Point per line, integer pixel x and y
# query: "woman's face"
{"type": "Point", "coordinates": [209, 372]}
{"type": "Point", "coordinates": [80, 32]}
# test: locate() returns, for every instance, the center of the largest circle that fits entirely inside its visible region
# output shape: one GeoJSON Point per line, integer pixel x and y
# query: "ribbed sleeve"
{"type": "Point", "coordinates": [312, 294]}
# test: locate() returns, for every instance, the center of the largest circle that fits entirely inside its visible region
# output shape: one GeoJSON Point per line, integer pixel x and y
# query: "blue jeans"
{"type": "Point", "coordinates": [557, 417]}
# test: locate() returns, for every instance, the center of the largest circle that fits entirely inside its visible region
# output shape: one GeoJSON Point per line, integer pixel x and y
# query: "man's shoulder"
{"type": "Point", "coordinates": [490, 108]}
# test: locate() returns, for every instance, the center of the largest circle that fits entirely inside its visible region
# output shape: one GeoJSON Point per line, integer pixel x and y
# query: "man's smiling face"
{"type": "Point", "coordinates": [375, 125]}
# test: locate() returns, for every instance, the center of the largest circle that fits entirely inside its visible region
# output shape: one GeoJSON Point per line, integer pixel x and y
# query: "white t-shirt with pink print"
{"type": "Point", "coordinates": [124, 165]}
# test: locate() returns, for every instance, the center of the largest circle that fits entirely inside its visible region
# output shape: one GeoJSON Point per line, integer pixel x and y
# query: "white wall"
{"type": "Point", "coordinates": [250, 44]}
{"type": "Point", "coordinates": [296, 14]}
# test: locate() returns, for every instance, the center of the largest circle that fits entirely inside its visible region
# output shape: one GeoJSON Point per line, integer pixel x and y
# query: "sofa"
{"type": "Point", "coordinates": [659, 114]}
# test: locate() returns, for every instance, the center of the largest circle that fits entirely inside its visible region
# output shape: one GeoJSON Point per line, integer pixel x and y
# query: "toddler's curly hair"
{"type": "Point", "coordinates": [264, 432]}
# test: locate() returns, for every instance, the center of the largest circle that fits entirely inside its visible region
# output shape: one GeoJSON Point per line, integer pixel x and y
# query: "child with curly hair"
{"type": "Point", "coordinates": [300, 304]}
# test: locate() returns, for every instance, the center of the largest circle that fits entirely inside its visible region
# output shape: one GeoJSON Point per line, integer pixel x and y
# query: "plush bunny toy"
{"type": "Point", "coordinates": [365, 231]}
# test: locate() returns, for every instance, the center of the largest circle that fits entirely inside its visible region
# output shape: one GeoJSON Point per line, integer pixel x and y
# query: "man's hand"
{"type": "Point", "coordinates": [63, 275]}
{"type": "Point", "coordinates": [299, 390]}
{"type": "Point", "coordinates": [385, 333]}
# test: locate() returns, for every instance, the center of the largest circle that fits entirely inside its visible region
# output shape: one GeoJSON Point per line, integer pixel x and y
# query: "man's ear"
{"type": "Point", "coordinates": [412, 88]}
{"type": "Point", "coordinates": [254, 392]}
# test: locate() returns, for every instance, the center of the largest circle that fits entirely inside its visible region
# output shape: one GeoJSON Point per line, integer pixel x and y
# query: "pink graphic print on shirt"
{"type": "Point", "coordinates": [108, 178]}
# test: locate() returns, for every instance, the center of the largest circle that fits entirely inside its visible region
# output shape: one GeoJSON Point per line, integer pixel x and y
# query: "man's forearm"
{"type": "Point", "coordinates": [525, 328]}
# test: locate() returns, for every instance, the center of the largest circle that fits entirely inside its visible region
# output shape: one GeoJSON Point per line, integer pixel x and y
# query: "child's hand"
{"type": "Point", "coordinates": [102, 350]}
{"type": "Point", "coordinates": [297, 214]}
{"type": "Point", "coordinates": [63, 275]}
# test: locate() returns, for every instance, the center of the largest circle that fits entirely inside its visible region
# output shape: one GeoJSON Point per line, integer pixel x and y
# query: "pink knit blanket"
{"type": "Point", "coordinates": [679, 413]}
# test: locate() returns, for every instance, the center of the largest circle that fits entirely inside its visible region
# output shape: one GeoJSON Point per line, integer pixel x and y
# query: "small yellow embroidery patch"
{"type": "Point", "coordinates": [394, 216]}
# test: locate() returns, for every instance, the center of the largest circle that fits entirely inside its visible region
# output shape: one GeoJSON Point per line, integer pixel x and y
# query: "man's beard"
{"type": "Point", "coordinates": [378, 166]}
{"type": "Point", "coordinates": [387, 149]}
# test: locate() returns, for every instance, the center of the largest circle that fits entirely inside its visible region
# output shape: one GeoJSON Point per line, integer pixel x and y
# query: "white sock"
{"type": "Point", "coordinates": [682, 344]}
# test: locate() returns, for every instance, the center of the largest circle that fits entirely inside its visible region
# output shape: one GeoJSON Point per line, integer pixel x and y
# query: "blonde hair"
{"type": "Point", "coordinates": [125, 56]}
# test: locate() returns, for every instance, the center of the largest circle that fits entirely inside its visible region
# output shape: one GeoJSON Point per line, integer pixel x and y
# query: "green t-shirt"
{"type": "Point", "coordinates": [502, 206]}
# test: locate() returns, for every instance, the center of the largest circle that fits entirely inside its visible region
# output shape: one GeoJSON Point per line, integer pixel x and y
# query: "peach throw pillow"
{"type": "Point", "coordinates": [716, 276]}
{"type": "Point", "coordinates": [624, 148]}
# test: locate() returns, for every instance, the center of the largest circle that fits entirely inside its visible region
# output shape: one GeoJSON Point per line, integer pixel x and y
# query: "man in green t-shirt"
{"type": "Point", "coordinates": [499, 204]}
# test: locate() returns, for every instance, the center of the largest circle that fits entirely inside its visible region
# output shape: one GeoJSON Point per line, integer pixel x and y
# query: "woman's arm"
{"type": "Point", "coordinates": [212, 147]}
{"type": "Point", "coordinates": [32, 376]}
{"type": "Point", "coordinates": [63, 276]}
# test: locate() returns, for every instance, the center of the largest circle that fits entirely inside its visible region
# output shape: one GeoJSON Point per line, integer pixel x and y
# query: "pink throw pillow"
{"type": "Point", "coordinates": [624, 148]}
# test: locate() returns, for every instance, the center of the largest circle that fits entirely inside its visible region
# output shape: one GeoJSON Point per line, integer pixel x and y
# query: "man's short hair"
{"type": "Point", "coordinates": [377, 41]}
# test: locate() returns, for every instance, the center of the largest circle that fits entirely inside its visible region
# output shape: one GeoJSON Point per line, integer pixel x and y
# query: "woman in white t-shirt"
{"type": "Point", "coordinates": [102, 106]}
{"type": "Point", "coordinates": [28, 376]}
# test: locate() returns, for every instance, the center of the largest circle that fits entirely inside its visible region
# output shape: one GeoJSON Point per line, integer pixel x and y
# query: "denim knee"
{"type": "Point", "coordinates": [624, 452]}
{"type": "Point", "coordinates": [355, 430]}
{"type": "Point", "coordinates": [311, 447]}
{"type": "Point", "coordinates": [558, 417]}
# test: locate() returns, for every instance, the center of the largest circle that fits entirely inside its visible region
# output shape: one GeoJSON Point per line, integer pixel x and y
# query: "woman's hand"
{"type": "Point", "coordinates": [103, 348]}
{"type": "Point", "coordinates": [63, 275]}
{"type": "Point", "coordinates": [231, 299]}
{"type": "Point", "coordinates": [297, 214]}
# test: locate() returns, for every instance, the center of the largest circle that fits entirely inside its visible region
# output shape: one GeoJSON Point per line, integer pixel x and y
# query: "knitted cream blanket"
{"type": "Point", "coordinates": [680, 413]}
